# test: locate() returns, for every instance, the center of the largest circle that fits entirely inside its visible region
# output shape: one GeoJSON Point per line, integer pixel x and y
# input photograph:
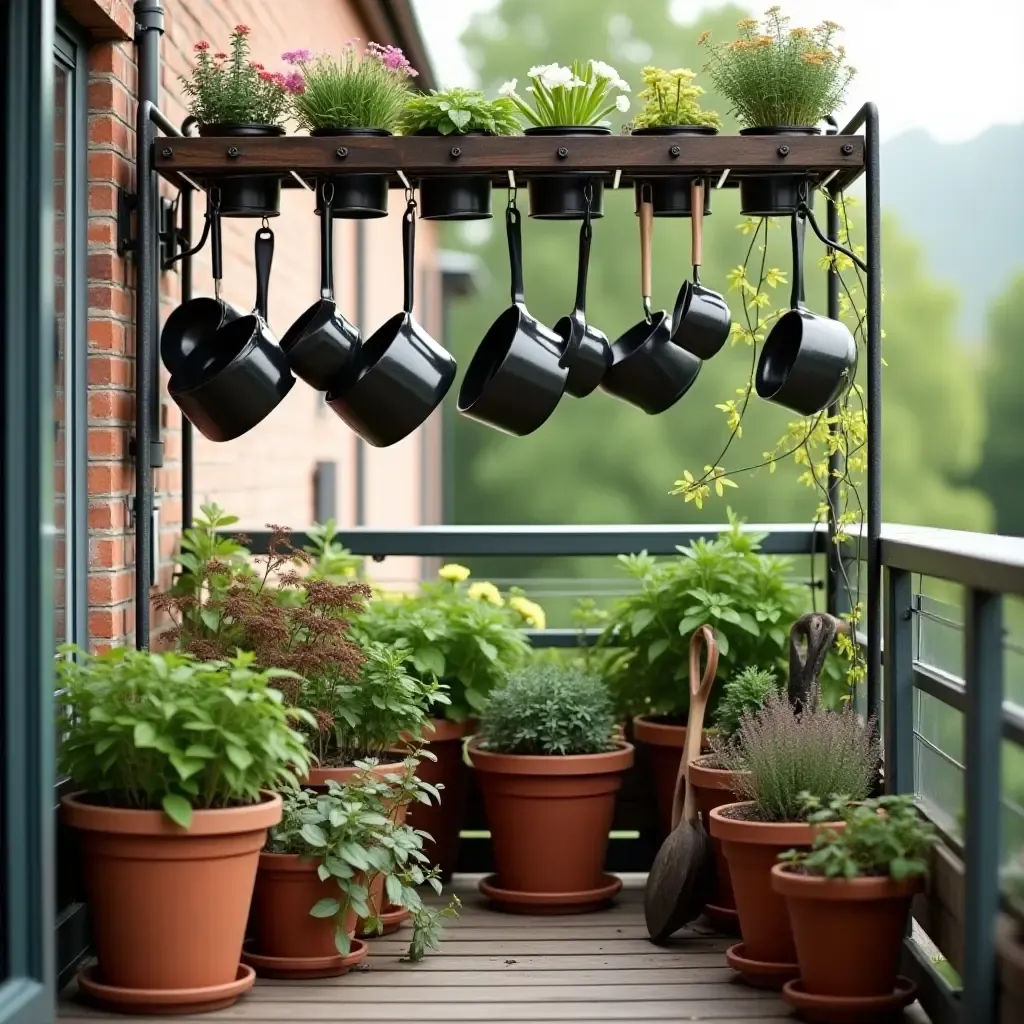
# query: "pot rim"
{"type": "Point", "coordinates": [232, 127]}
{"type": "Point", "coordinates": [704, 777]}
{"type": "Point", "coordinates": [842, 890]}
{"type": "Point", "coordinates": [764, 833]}
{"type": "Point", "coordinates": [658, 734]}
{"type": "Point", "coordinates": [617, 760]}
{"type": "Point", "coordinates": [127, 821]}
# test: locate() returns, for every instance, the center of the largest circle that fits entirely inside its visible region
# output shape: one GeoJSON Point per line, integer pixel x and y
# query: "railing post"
{"type": "Point", "coordinates": [983, 678]}
{"type": "Point", "coordinates": [898, 683]}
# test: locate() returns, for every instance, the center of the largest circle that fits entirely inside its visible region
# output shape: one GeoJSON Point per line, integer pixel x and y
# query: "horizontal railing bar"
{"type": "Point", "coordinates": [563, 637]}
{"type": "Point", "coordinates": [939, 1000]}
{"type": "Point", "coordinates": [940, 685]}
{"type": "Point", "coordinates": [938, 751]}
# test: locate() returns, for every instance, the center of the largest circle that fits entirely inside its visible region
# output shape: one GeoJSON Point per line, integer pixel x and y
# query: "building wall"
{"type": "Point", "coordinates": [267, 475]}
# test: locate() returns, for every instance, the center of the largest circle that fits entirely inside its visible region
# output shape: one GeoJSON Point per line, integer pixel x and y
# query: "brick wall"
{"type": "Point", "coordinates": [267, 475]}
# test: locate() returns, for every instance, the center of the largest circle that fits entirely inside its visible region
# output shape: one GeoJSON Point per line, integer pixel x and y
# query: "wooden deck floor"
{"type": "Point", "coordinates": [503, 967]}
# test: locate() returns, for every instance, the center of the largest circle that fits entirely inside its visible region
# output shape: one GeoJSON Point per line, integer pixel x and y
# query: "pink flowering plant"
{"type": "Point", "coordinates": [367, 89]}
{"type": "Point", "coordinates": [229, 88]}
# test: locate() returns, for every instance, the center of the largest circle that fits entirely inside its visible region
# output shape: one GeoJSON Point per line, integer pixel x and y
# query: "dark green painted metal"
{"type": "Point", "coordinates": [898, 680]}
{"type": "Point", "coordinates": [27, 867]}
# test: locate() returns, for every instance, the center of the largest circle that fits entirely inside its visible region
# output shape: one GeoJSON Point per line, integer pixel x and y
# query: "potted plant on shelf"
{"type": "Point", "coordinates": [671, 107]}
{"type": "Point", "coordinates": [318, 870]}
{"type": "Point", "coordinates": [549, 766]}
{"type": "Point", "coordinates": [714, 784]}
{"type": "Point", "coordinates": [458, 112]}
{"type": "Point", "coordinates": [784, 757]}
{"type": "Point", "coordinates": [572, 100]}
{"type": "Point", "coordinates": [852, 890]}
{"type": "Point", "coordinates": [231, 95]}
{"type": "Point", "coordinates": [780, 81]}
{"type": "Point", "coordinates": [465, 635]}
{"type": "Point", "coordinates": [1010, 942]}
{"type": "Point", "coordinates": [174, 761]}
{"type": "Point", "coordinates": [359, 95]}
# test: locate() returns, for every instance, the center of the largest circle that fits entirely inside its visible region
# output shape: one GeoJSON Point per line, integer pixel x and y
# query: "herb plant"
{"type": "Point", "coordinates": [777, 76]}
{"type": "Point", "coordinates": [457, 111]}
{"type": "Point", "coordinates": [329, 559]}
{"type": "Point", "coordinates": [743, 694]}
{"type": "Point", "coordinates": [577, 95]}
{"type": "Point", "coordinates": [670, 98]}
{"type": "Point", "coordinates": [229, 88]}
{"type": "Point", "coordinates": [148, 731]}
{"type": "Point", "coordinates": [883, 837]}
{"type": "Point", "coordinates": [551, 710]}
{"type": "Point", "coordinates": [355, 90]}
{"type": "Point", "coordinates": [788, 756]}
{"type": "Point", "coordinates": [351, 832]}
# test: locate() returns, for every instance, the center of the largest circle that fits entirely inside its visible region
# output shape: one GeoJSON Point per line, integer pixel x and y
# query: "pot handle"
{"type": "Point", "coordinates": [408, 252]}
{"type": "Point", "coordinates": [646, 215]}
{"type": "Point", "coordinates": [326, 242]}
{"type": "Point", "coordinates": [798, 227]}
{"type": "Point", "coordinates": [515, 252]}
{"type": "Point", "coordinates": [216, 243]}
{"type": "Point", "coordinates": [583, 268]}
{"type": "Point", "coordinates": [697, 226]}
{"type": "Point", "coordinates": [264, 259]}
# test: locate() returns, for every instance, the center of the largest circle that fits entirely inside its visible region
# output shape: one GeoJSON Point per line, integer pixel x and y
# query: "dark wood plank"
{"type": "Point", "coordinates": [572, 962]}
{"type": "Point", "coordinates": [532, 945]}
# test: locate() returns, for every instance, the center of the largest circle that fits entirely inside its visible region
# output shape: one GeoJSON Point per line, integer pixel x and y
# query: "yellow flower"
{"type": "Point", "coordinates": [531, 612]}
{"type": "Point", "coordinates": [703, 38]}
{"type": "Point", "coordinates": [453, 572]}
{"type": "Point", "coordinates": [486, 591]}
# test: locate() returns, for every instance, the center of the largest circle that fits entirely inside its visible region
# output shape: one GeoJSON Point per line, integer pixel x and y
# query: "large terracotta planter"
{"type": "Point", "coordinates": [1010, 947]}
{"type": "Point", "coordinates": [169, 905]}
{"type": "Point", "coordinates": [865, 918]}
{"type": "Point", "coordinates": [549, 819]}
{"type": "Point", "coordinates": [663, 743]}
{"type": "Point", "coordinates": [751, 849]}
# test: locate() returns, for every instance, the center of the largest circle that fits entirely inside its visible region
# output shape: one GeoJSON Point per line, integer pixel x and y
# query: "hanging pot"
{"type": "Point", "coordinates": [196, 321]}
{"type": "Point", "coordinates": [562, 196]}
{"type": "Point", "coordinates": [321, 343]}
{"type": "Point", "coordinates": [670, 194]}
{"type": "Point", "coordinates": [455, 196]}
{"type": "Point", "coordinates": [773, 195]}
{"type": "Point", "coordinates": [701, 319]}
{"type": "Point", "coordinates": [585, 351]}
{"type": "Point", "coordinates": [357, 196]}
{"type": "Point", "coordinates": [807, 361]}
{"type": "Point", "coordinates": [240, 375]}
{"type": "Point", "coordinates": [247, 195]}
{"type": "Point", "coordinates": [647, 370]}
{"type": "Point", "coordinates": [516, 376]}
{"type": "Point", "coordinates": [401, 374]}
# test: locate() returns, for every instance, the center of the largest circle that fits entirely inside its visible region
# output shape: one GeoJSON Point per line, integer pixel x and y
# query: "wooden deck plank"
{"type": "Point", "coordinates": [578, 962]}
{"type": "Point", "coordinates": [407, 977]}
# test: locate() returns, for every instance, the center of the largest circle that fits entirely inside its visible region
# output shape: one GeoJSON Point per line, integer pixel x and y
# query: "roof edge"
{"type": "Point", "coordinates": [394, 22]}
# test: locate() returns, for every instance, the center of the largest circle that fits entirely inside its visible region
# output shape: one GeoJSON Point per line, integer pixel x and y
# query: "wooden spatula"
{"type": "Point", "coordinates": [682, 875]}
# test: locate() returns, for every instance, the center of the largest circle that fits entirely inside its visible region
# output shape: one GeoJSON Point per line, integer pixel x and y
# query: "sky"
{"type": "Point", "coordinates": [920, 61]}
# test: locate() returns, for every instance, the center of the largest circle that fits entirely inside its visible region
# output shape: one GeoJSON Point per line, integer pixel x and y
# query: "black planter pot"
{"type": "Point", "coordinates": [247, 195]}
{"type": "Point", "coordinates": [562, 196]}
{"type": "Point", "coordinates": [773, 195]}
{"type": "Point", "coordinates": [455, 197]}
{"type": "Point", "coordinates": [670, 195]}
{"type": "Point", "coordinates": [357, 196]}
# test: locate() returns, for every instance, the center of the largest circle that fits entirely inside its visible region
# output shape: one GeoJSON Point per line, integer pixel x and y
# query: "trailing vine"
{"type": "Point", "coordinates": [810, 442]}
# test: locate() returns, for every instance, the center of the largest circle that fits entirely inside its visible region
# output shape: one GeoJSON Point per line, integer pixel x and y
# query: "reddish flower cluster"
{"type": "Point", "coordinates": [242, 30]}
{"type": "Point", "coordinates": [391, 57]}
{"type": "Point", "coordinates": [201, 46]}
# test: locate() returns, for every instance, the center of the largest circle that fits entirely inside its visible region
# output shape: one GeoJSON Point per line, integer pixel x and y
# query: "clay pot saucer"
{"type": "Point", "coordinates": [551, 902]}
{"type": "Point", "coordinates": [392, 919]}
{"type": "Point", "coordinates": [723, 919]}
{"type": "Point", "coordinates": [758, 973]}
{"type": "Point", "coordinates": [152, 1002]}
{"type": "Point", "coordinates": [848, 1009]}
{"type": "Point", "coordinates": [299, 968]}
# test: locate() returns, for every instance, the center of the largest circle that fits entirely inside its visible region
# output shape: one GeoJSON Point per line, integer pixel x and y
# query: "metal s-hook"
{"type": "Point", "coordinates": [806, 212]}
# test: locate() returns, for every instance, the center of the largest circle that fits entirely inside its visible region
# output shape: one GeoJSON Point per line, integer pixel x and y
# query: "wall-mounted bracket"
{"type": "Point", "coordinates": [127, 227]}
{"type": "Point", "coordinates": [156, 452]}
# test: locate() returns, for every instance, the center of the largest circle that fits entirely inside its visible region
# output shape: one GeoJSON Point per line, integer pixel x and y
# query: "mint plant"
{"type": "Point", "coordinates": [147, 731]}
{"type": "Point", "coordinates": [457, 111]}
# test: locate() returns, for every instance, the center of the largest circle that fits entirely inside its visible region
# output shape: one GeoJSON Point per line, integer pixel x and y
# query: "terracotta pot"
{"type": "Point", "coordinates": [550, 817]}
{"type": "Point", "coordinates": [664, 742]}
{"type": "Point", "coordinates": [715, 787]}
{"type": "Point", "coordinates": [752, 848]}
{"type": "Point", "coordinates": [1010, 947]}
{"type": "Point", "coordinates": [866, 918]}
{"type": "Point", "coordinates": [321, 776]}
{"type": "Point", "coordinates": [168, 905]}
{"type": "Point", "coordinates": [287, 886]}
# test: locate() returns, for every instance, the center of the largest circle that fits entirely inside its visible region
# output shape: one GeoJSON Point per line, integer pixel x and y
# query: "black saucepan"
{"type": "Point", "coordinates": [516, 376]}
{"type": "Point", "coordinates": [647, 370]}
{"type": "Point", "coordinates": [321, 343]}
{"type": "Point", "coordinates": [807, 360]}
{"type": "Point", "coordinates": [701, 318]}
{"type": "Point", "coordinates": [239, 375]}
{"type": "Point", "coordinates": [400, 375]}
{"type": "Point", "coordinates": [194, 322]}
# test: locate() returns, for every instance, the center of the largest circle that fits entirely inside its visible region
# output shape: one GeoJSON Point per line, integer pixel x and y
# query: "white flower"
{"type": "Point", "coordinates": [538, 69]}
{"type": "Point", "coordinates": [622, 84]}
{"type": "Point", "coordinates": [603, 70]}
{"type": "Point", "coordinates": [622, 103]}
{"type": "Point", "coordinates": [508, 88]}
{"type": "Point", "coordinates": [554, 76]}
{"type": "Point", "coordinates": [576, 83]}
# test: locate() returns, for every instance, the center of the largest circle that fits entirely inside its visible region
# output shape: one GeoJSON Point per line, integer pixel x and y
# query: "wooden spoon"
{"type": "Point", "coordinates": [682, 875]}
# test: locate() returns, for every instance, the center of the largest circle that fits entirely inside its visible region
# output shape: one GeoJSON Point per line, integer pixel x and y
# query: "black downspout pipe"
{"type": "Point", "coordinates": [149, 26]}
{"type": "Point", "coordinates": [187, 456]}
{"type": "Point", "coordinates": [360, 466]}
{"type": "Point", "coordinates": [837, 599]}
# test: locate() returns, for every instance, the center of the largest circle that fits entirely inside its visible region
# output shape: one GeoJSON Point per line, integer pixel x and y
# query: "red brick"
{"type": "Point", "coordinates": [108, 515]}
{"type": "Point", "coordinates": [102, 231]}
{"type": "Point", "coordinates": [106, 266]}
{"type": "Point", "coordinates": [110, 588]}
{"type": "Point", "coordinates": [107, 443]}
{"type": "Point", "coordinates": [103, 198]}
{"type": "Point", "coordinates": [107, 624]}
{"type": "Point", "coordinates": [111, 478]}
{"type": "Point", "coordinates": [108, 165]}
{"type": "Point", "coordinates": [107, 552]}
{"type": "Point", "coordinates": [111, 299]}
{"type": "Point", "coordinates": [106, 336]}
{"type": "Point", "coordinates": [107, 130]}
{"type": "Point", "coordinates": [110, 370]}
{"type": "Point", "coordinates": [118, 406]}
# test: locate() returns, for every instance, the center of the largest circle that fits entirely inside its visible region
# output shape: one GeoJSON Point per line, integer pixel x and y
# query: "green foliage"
{"type": "Point", "coordinates": [790, 755]}
{"type": "Point", "coordinates": [743, 694]}
{"type": "Point", "coordinates": [670, 98]}
{"type": "Point", "coordinates": [457, 111]}
{"type": "Point", "coordinates": [883, 837]}
{"type": "Point", "coordinates": [748, 597]}
{"type": "Point", "coordinates": [580, 94]}
{"type": "Point", "coordinates": [147, 731]}
{"type": "Point", "coordinates": [368, 90]}
{"type": "Point", "coordinates": [774, 75]}
{"type": "Point", "coordinates": [329, 559]}
{"type": "Point", "coordinates": [351, 832]}
{"type": "Point", "coordinates": [548, 709]}
{"type": "Point", "coordinates": [228, 88]}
